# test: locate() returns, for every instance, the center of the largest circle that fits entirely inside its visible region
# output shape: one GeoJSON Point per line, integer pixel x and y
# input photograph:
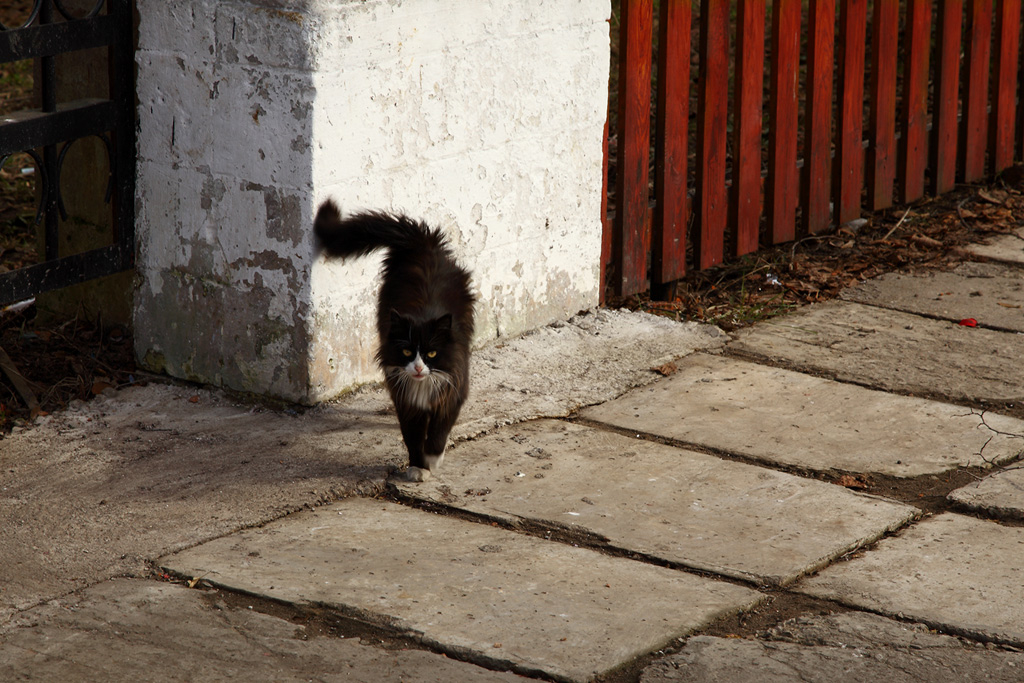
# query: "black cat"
{"type": "Point", "coordinates": [424, 319]}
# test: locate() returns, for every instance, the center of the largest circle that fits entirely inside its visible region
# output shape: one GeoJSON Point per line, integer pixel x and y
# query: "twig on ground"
{"type": "Point", "coordinates": [960, 212]}
{"type": "Point", "coordinates": [898, 224]}
{"type": "Point", "coordinates": [792, 252]}
{"type": "Point", "coordinates": [21, 384]}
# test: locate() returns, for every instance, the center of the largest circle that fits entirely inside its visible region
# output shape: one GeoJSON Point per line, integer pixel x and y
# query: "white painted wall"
{"type": "Point", "coordinates": [484, 118]}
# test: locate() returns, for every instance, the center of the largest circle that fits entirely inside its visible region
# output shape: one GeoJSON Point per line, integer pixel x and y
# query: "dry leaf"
{"type": "Point", "coordinates": [992, 196]}
{"type": "Point", "coordinates": [851, 482]}
{"type": "Point", "coordinates": [99, 386]}
{"type": "Point", "coordinates": [196, 579]}
{"type": "Point", "coordinates": [926, 241]}
{"type": "Point", "coordinates": [666, 369]}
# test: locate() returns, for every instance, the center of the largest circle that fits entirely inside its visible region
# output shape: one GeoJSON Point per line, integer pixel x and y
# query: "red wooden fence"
{"type": "Point", "coordinates": [914, 111]}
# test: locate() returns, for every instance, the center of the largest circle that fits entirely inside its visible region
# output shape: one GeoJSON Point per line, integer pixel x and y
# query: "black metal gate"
{"type": "Point", "coordinates": [45, 134]}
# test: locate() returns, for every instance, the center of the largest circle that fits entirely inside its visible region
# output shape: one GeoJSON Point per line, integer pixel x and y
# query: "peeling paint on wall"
{"type": "Point", "coordinates": [251, 113]}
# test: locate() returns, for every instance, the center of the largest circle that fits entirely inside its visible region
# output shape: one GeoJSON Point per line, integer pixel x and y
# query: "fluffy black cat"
{"type": "Point", "coordinates": [424, 319]}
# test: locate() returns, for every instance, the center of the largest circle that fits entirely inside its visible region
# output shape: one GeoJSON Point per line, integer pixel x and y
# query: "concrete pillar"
{"type": "Point", "coordinates": [484, 118]}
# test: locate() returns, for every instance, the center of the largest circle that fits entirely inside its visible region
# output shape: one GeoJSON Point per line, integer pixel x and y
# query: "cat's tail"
{"type": "Point", "coordinates": [361, 233]}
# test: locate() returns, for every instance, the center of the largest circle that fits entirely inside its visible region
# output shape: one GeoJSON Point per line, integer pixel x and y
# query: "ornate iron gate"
{"type": "Point", "coordinates": [45, 134]}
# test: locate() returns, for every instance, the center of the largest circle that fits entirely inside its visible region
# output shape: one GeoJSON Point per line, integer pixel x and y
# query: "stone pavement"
{"type": "Point", "coordinates": [858, 460]}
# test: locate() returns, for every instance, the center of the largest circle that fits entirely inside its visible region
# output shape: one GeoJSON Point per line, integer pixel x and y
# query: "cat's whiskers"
{"type": "Point", "coordinates": [440, 377]}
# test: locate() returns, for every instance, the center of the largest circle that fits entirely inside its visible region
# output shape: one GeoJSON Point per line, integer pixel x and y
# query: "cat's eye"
{"type": "Point", "coordinates": [407, 353]}
{"type": "Point", "coordinates": [431, 354]}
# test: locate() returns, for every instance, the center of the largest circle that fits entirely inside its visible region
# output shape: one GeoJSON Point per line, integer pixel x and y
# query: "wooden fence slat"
{"type": "Point", "coordinates": [848, 178]}
{"type": "Point", "coordinates": [943, 151]}
{"type": "Point", "coordinates": [913, 149]}
{"type": "Point", "coordinates": [881, 155]}
{"type": "Point", "coordinates": [815, 185]}
{"type": "Point", "coordinates": [668, 256]}
{"type": "Point", "coordinates": [783, 183]}
{"type": "Point", "coordinates": [746, 148]}
{"type": "Point", "coordinates": [975, 106]}
{"type": "Point", "coordinates": [631, 239]}
{"type": "Point", "coordinates": [1004, 94]}
{"type": "Point", "coordinates": [712, 111]}
{"type": "Point", "coordinates": [1018, 150]}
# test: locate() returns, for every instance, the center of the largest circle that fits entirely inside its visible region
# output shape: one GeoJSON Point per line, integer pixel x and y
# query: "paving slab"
{"type": "Point", "coordinates": [99, 489]}
{"type": "Point", "coordinates": [1008, 248]}
{"type": "Point", "coordinates": [790, 418]}
{"type": "Point", "coordinates": [990, 293]}
{"type": "Point", "coordinates": [853, 647]}
{"type": "Point", "coordinates": [1000, 494]}
{"type": "Point", "coordinates": [125, 631]}
{"type": "Point", "coordinates": [959, 574]}
{"type": "Point", "coordinates": [513, 600]}
{"type": "Point", "coordinates": [589, 359]}
{"type": "Point", "coordinates": [892, 350]}
{"type": "Point", "coordinates": [675, 504]}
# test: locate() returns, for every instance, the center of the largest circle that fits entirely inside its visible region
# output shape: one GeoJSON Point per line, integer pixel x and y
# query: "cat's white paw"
{"type": "Point", "coordinates": [416, 474]}
{"type": "Point", "coordinates": [433, 462]}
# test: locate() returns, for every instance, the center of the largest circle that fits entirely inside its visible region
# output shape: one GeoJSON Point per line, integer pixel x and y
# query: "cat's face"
{"type": "Point", "coordinates": [417, 349]}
